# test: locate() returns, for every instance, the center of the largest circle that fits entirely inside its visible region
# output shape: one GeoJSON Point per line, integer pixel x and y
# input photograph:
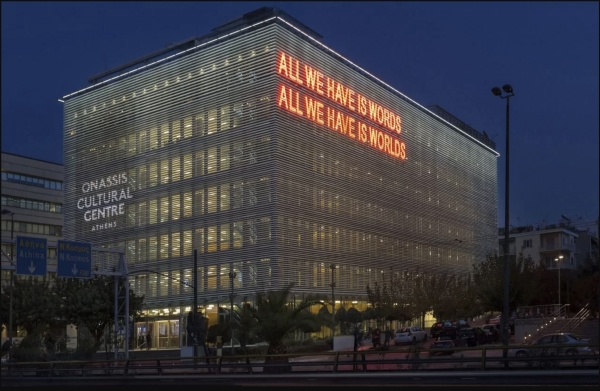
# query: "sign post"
{"type": "Point", "coordinates": [74, 259]}
{"type": "Point", "coordinates": [31, 256]}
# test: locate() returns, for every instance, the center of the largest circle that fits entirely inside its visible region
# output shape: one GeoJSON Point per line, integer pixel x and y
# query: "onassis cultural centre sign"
{"type": "Point", "coordinates": [366, 117]}
{"type": "Point", "coordinates": [103, 199]}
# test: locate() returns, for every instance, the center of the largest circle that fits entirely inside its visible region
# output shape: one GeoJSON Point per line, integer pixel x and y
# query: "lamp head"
{"type": "Point", "coordinates": [507, 88]}
{"type": "Point", "coordinates": [496, 91]}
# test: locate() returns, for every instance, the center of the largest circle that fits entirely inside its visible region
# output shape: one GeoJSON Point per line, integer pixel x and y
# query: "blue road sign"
{"type": "Point", "coordinates": [74, 259]}
{"type": "Point", "coordinates": [31, 256]}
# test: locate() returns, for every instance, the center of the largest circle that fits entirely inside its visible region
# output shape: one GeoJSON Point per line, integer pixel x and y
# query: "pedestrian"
{"type": "Point", "coordinates": [148, 340]}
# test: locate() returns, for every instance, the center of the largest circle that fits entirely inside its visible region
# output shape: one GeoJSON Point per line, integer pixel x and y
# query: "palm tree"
{"type": "Point", "coordinates": [276, 322]}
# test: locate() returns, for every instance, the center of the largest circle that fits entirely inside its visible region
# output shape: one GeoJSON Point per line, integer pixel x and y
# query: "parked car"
{"type": "Point", "coordinates": [555, 341]}
{"type": "Point", "coordinates": [442, 342]}
{"type": "Point", "coordinates": [410, 334]}
{"type": "Point", "coordinates": [468, 337]}
{"type": "Point", "coordinates": [493, 330]}
{"type": "Point", "coordinates": [460, 324]}
{"type": "Point", "coordinates": [443, 328]}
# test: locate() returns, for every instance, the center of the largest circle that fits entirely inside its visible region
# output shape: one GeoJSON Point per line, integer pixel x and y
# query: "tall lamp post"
{"type": "Point", "coordinates": [559, 260]}
{"type": "Point", "coordinates": [231, 280]}
{"type": "Point", "coordinates": [10, 289]}
{"type": "Point", "coordinates": [504, 319]}
{"type": "Point", "coordinates": [332, 267]}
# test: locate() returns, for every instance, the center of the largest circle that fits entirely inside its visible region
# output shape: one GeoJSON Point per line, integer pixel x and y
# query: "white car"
{"type": "Point", "coordinates": [410, 335]}
{"type": "Point", "coordinates": [553, 346]}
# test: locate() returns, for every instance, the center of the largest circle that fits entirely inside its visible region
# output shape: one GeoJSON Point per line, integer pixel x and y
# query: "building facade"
{"type": "Point", "coordinates": [280, 162]}
{"type": "Point", "coordinates": [32, 205]}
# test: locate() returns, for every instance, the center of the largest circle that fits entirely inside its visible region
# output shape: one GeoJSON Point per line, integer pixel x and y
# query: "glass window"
{"type": "Point", "coordinates": [176, 130]}
{"type": "Point", "coordinates": [175, 244]}
{"type": "Point", "coordinates": [199, 202]}
{"type": "Point", "coordinates": [187, 204]}
{"type": "Point", "coordinates": [187, 243]}
{"type": "Point", "coordinates": [164, 134]}
{"type": "Point", "coordinates": [211, 237]}
{"type": "Point", "coordinates": [153, 175]}
{"type": "Point", "coordinates": [153, 212]}
{"type": "Point", "coordinates": [212, 121]}
{"type": "Point", "coordinates": [211, 199]}
{"type": "Point", "coordinates": [224, 239]}
{"type": "Point", "coordinates": [187, 127]}
{"type": "Point", "coordinates": [164, 209]}
{"type": "Point", "coordinates": [142, 250]}
{"type": "Point", "coordinates": [187, 166]}
{"type": "Point", "coordinates": [164, 246]}
{"type": "Point", "coordinates": [153, 248]}
{"type": "Point", "coordinates": [153, 138]}
{"type": "Point", "coordinates": [164, 171]}
{"type": "Point", "coordinates": [176, 169]}
{"type": "Point", "coordinates": [199, 240]}
{"type": "Point", "coordinates": [143, 141]}
{"type": "Point", "coordinates": [132, 145]}
{"type": "Point", "coordinates": [212, 277]}
{"type": "Point", "coordinates": [143, 214]}
{"type": "Point", "coordinates": [175, 207]}
{"type": "Point", "coordinates": [225, 117]}
{"type": "Point", "coordinates": [224, 197]}
{"type": "Point", "coordinates": [224, 163]}
{"type": "Point", "coordinates": [199, 163]}
{"type": "Point", "coordinates": [238, 234]}
{"type": "Point", "coordinates": [211, 160]}
{"type": "Point", "coordinates": [200, 125]}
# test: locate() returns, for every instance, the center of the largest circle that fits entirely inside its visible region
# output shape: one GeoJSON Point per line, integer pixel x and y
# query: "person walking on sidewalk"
{"type": "Point", "coordinates": [148, 340]}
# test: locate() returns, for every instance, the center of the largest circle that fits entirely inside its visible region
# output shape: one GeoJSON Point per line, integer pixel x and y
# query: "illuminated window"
{"type": "Point", "coordinates": [164, 171]}
{"type": "Point", "coordinates": [164, 246]}
{"type": "Point", "coordinates": [164, 209]}
{"type": "Point", "coordinates": [211, 199]}
{"type": "Point", "coordinates": [175, 244]}
{"type": "Point", "coordinates": [164, 134]}
{"type": "Point", "coordinates": [131, 215]}
{"type": "Point", "coordinates": [132, 145]}
{"type": "Point", "coordinates": [142, 178]}
{"type": "Point", "coordinates": [211, 277]}
{"type": "Point", "coordinates": [153, 175]}
{"type": "Point", "coordinates": [153, 138]}
{"type": "Point", "coordinates": [224, 163]}
{"type": "Point", "coordinates": [225, 197]}
{"type": "Point", "coordinates": [199, 163]}
{"type": "Point", "coordinates": [152, 248]}
{"type": "Point", "coordinates": [175, 169]}
{"type": "Point", "coordinates": [187, 166]}
{"type": "Point", "coordinates": [175, 284]}
{"type": "Point", "coordinates": [152, 284]}
{"type": "Point", "coordinates": [224, 239]}
{"type": "Point", "coordinates": [212, 121]}
{"type": "Point", "coordinates": [187, 243]}
{"type": "Point", "coordinates": [211, 239]}
{"type": "Point", "coordinates": [142, 214]}
{"type": "Point", "coordinates": [153, 212]}
{"type": "Point", "coordinates": [200, 125]}
{"type": "Point", "coordinates": [143, 141]}
{"type": "Point", "coordinates": [225, 117]}
{"type": "Point", "coordinates": [199, 240]}
{"type": "Point", "coordinates": [187, 127]}
{"type": "Point", "coordinates": [176, 130]}
{"type": "Point", "coordinates": [187, 204]}
{"type": "Point", "coordinates": [175, 207]}
{"type": "Point", "coordinates": [163, 284]}
{"type": "Point", "coordinates": [199, 202]}
{"type": "Point", "coordinates": [211, 161]}
{"type": "Point", "coordinates": [238, 234]}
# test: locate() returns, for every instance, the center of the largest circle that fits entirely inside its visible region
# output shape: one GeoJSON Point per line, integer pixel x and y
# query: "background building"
{"type": "Point", "coordinates": [32, 200]}
{"type": "Point", "coordinates": [280, 162]}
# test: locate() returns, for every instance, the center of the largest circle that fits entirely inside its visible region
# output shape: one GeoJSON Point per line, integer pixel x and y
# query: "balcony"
{"type": "Point", "coordinates": [557, 247]}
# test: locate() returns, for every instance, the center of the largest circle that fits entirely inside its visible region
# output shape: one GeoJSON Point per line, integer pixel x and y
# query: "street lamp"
{"type": "Point", "coordinates": [10, 289]}
{"type": "Point", "coordinates": [232, 275]}
{"type": "Point", "coordinates": [559, 259]}
{"type": "Point", "coordinates": [504, 319]}
{"type": "Point", "coordinates": [332, 267]}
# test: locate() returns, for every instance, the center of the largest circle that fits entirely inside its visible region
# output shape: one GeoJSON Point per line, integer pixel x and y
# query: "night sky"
{"type": "Point", "coordinates": [445, 53]}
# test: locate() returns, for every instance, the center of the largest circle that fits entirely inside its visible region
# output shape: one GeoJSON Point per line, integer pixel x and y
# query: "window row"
{"type": "Point", "coordinates": [205, 239]}
{"type": "Point", "coordinates": [31, 228]}
{"type": "Point", "coordinates": [31, 181]}
{"type": "Point", "coordinates": [25, 203]}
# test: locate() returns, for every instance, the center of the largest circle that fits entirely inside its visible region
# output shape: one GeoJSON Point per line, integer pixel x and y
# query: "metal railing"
{"type": "Point", "coordinates": [575, 321]}
{"type": "Point", "coordinates": [482, 358]}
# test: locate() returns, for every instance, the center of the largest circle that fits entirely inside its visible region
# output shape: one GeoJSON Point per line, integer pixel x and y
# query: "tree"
{"type": "Point", "coordinates": [90, 303]}
{"type": "Point", "coordinates": [276, 321]}
{"type": "Point", "coordinates": [35, 306]}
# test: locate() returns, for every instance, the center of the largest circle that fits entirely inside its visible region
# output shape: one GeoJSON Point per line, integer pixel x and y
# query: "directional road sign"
{"type": "Point", "coordinates": [74, 259]}
{"type": "Point", "coordinates": [31, 256]}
